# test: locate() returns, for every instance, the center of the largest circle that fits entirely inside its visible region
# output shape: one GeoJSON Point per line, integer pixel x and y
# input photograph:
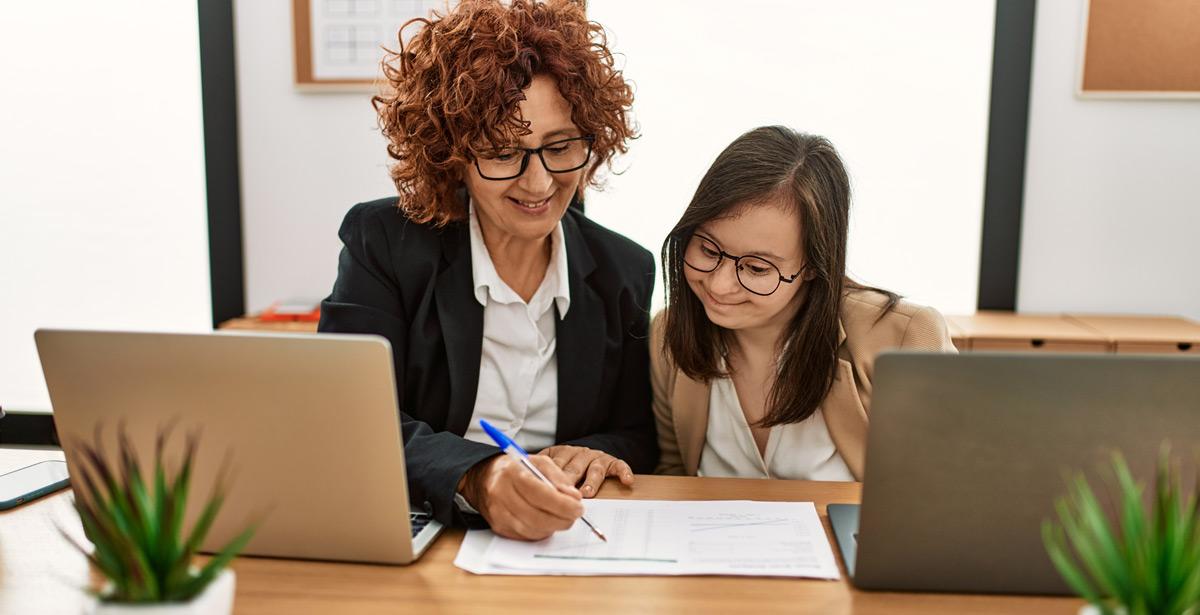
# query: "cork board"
{"type": "Point", "coordinates": [339, 43]}
{"type": "Point", "coordinates": [1141, 49]}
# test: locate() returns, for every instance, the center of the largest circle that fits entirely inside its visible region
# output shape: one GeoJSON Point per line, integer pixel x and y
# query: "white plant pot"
{"type": "Point", "coordinates": [216, 599]}
{"type": "Point", "coordinates": [1091, 609]}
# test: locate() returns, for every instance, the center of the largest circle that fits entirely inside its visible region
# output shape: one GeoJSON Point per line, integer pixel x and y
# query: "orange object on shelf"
{"type": "Point", "coordinates": [291, 311]}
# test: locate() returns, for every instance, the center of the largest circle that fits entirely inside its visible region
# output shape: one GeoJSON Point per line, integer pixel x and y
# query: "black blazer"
{"type": "Point", "coordinates": [412, 284]}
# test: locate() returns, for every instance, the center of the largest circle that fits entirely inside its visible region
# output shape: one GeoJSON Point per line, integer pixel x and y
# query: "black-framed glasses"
{"type": "Point", "coordinates": [757, 275]}
{"type": "Point", "coordinates": [562, 156]}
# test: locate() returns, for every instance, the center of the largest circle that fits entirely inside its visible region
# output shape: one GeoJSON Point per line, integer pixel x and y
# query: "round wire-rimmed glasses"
{"type": "Point", "coordinates": [756, 274]}
{"type": "Point", "coordinates": [562, 156]}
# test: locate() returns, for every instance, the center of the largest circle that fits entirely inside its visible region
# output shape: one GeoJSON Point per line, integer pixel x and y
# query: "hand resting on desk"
{"type": "Point", "coordinates": [589, 466]}
{"type": "Point", "coordinates": [518, 504]}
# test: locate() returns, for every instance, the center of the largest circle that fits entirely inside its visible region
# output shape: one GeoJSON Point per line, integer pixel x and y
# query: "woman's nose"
{"type": "Point", "coordinates": [536, 179]}
{"type": "Point", "coordinates": [723, 280]}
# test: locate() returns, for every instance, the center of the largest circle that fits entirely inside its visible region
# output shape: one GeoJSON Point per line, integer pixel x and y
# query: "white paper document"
{"type": "Point", "coordinates": [652, 537]}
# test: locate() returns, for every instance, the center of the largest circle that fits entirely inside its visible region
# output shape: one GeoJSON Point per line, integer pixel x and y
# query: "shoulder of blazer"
{"type": "Point", "coordinates": [613, 252]}
{"type": "Point", "coordinates": [869, 331]}
{"type": "Point", "coordinates": [412, 251]}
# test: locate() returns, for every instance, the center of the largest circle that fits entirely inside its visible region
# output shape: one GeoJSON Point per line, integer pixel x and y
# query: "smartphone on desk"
{"type": "Point", "coordinates": [32, 482]}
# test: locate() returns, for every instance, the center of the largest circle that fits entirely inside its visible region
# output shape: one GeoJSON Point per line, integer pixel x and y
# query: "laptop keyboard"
{"type": "Point", "coordinates": [418, 522]}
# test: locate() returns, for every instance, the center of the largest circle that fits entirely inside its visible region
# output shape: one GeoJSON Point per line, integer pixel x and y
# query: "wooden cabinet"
{"type": "Point", "coordinates": [1009, 331]}
{"type": "Point", "coordinates": [1001, 331]}
{"type": "Point", "coordinates": [251, 323]}
{"type": "Point", "coordinates": [989, 331]}
{"type": "Point", "coordinates": [1145, 334]}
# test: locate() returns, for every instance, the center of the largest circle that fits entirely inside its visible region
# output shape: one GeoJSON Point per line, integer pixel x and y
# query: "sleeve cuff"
{"type": "Point", "coordinates": [463, 505]}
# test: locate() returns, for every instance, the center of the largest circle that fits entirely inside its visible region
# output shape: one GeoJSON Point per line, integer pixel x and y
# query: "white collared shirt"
{"type": "Point", "coordinates": [518, 369]}
{"type": "Point", "coordinates": [796, 451]}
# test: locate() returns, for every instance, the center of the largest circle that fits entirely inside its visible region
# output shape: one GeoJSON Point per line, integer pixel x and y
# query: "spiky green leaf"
{"type": "Point", "coordinates": [1147, 561]}
{"type": "Point", "coordinates": [137, 526]}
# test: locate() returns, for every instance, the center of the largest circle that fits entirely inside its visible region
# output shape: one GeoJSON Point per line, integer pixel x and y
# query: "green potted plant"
{"type": "Point", "coordinates": [1140, 562]}
{"type": "Point", "coordinates": [135, 520]}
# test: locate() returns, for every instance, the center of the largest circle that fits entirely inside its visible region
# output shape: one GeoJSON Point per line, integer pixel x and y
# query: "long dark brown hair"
{"type": "Point", "coordinates": [771, 164]}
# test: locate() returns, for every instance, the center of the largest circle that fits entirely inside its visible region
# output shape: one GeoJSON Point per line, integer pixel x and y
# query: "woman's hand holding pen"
{"type": "Point", "coordinates": [516, 503]}
{"type": "Point", "coordinates": [589, 466]}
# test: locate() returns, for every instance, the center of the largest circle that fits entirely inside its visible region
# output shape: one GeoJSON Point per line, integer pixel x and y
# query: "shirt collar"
{"type": "Point", "coordinates": [487, 281]}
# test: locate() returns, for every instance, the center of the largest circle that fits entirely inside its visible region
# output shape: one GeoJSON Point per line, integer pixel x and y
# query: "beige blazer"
{"type": "Point", "coordinates": [681, 404]}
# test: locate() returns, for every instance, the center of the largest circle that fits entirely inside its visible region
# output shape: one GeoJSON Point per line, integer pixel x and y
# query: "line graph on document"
{"type": "Point", "coordinates": [630, 536]}
{"type": "Point", "coordinates": [749, 539]}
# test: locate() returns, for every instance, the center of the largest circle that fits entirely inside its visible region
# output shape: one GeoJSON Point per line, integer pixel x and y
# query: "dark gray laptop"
{"type": "Point", "coordinates": [966, 455]}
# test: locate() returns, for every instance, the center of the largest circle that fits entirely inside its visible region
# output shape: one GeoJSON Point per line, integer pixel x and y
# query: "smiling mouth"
{"type": "Point", "coordinates": [527, 204]}
{"type": "Point", "coordinates": [719, 303]}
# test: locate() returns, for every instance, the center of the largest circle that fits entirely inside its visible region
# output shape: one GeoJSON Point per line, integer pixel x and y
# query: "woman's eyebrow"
{"type": "Point", "coordinates": [771, 256]}
{"type": "Point", "coordinates": [527, 140]}
{"type": "Point", "coordinates": [565, 132]}
{"type": "Point", "coordinates": [760, 253]}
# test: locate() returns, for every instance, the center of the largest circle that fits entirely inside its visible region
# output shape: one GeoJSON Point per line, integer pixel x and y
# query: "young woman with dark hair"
{"type": "Point", "coordinates": [763, 359]}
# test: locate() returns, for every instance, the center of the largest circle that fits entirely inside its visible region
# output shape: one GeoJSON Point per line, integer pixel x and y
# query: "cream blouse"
{"type": "Point", "coordinates": [799, 451]}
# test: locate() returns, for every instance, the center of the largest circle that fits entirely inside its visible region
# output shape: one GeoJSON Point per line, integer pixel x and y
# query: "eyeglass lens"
{"type": "Point", "coordinates": [756, 275]}
{"type": "Point", "coordinates": [557, 157]}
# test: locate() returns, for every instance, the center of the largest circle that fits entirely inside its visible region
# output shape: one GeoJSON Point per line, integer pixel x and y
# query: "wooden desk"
{"type": "Point", "coordinates": [39, 571]}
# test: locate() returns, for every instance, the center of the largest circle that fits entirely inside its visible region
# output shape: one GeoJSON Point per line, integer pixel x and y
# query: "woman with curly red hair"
{"type": "Point", "coordinates": [501, 300]}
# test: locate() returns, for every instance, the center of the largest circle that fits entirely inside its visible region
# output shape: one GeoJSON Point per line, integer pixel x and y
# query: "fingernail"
{"type": "Point", "coordinates": [587, 487]}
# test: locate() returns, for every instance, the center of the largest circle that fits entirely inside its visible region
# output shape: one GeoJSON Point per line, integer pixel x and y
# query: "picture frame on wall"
{"type": "Point", "coordinates": [1144, 49]}
{"type": "Point", "coordinates": [339, 44]}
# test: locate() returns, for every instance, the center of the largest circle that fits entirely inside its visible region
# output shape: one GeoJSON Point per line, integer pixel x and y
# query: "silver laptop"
{"type": "Point", "coordinates": [967, 453]}
{"type": "Point", "coordinates": [309, 423]}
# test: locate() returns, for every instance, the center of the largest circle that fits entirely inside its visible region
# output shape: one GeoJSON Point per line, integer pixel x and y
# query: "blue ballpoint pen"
{"type": "Point", "coordinates": [514, 450]}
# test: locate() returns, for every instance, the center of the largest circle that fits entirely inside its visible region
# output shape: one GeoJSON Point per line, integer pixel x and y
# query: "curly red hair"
{"type": "Point", "coordinates": [457, 83]}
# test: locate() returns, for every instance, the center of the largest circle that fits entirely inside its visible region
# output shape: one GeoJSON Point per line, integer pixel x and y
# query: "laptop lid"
{"type": "Point", "coordinates": [309, 423]}
{"type": "Point", "coordinates": [967, 453]}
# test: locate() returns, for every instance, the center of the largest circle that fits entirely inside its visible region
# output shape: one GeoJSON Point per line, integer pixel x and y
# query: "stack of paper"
{"type": "Point", "coordinates": [667, 538]}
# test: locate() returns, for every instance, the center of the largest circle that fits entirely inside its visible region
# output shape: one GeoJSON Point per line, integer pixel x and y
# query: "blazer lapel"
{"type": "Point", "coordinates": [580, 338]}
{"type": "Point", "coordinates": [689, 409]}
{"type": "Point", "coordinates": [461, 319]}
{"type": "Point", "coordinates": [845, 415]}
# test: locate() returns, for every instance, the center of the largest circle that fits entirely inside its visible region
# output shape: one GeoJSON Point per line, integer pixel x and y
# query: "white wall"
{"type": "Point", "coordinates": [305, 159]}
{"type": "Point", "coordinates": [103, 214]}
{"type": "Point", "coordinates": [1112, 190]}
{"type": "Point", "coordinates": [900, 88]}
